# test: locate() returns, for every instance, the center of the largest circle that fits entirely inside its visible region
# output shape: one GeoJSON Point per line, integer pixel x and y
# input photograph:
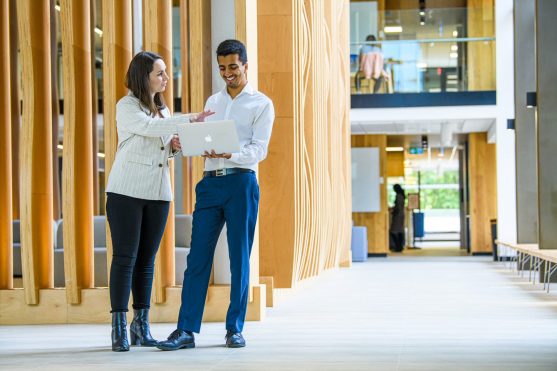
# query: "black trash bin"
{"type": "Point", "coordinates": [493, 223]}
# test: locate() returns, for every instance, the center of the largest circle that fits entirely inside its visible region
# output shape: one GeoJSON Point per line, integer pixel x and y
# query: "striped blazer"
{"type": "Point", "coordinates": [140, 168]}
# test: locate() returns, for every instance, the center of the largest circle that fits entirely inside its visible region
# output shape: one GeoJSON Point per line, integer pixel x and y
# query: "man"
{"type": "Point", "coordinates": [227, 193]}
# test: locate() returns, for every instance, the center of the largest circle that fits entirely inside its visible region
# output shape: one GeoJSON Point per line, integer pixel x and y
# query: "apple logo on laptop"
{"type": "Point", "coordinates": [208, 139]}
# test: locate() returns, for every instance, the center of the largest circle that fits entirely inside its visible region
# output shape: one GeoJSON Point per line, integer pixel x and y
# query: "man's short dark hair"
{"type": "Point", "coordinates": [228, 47]}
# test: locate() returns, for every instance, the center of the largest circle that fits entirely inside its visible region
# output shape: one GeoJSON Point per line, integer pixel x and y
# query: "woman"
{"type": "Point", "coordinates": [139, 194]}
{"type": "Point", "coordinates": [397, 221]}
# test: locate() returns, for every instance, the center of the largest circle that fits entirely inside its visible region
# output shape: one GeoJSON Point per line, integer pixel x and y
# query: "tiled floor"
{"type": "Point", "coordinates": [398, 313]}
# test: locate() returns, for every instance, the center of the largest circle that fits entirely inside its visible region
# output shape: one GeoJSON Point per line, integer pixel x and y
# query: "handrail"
{"type": "Point", "coordinates": [423, 41]}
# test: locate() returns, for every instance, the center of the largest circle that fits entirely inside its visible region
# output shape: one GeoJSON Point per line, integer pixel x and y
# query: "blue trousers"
{"type": "Point", "coordinates": [233, 199]}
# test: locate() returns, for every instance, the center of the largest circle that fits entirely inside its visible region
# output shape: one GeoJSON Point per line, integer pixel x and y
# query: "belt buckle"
{"type": "Point", "coordinates": [220, 172]}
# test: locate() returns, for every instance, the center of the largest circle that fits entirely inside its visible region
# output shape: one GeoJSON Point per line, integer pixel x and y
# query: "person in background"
{"type": "Point", "coordinates": [139, 194]}
{"type": "Point", "coordinates": [396, 230]}
{"type": "Point", "coordinates": [370, 65]}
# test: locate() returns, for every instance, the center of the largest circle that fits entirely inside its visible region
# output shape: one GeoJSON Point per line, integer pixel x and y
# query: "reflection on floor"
{"type": "Point", "coordinates": [386, 314]}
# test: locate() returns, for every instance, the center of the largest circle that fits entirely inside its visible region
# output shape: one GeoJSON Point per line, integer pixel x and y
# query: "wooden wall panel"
{"type": "Point", "coordinates": [6, 237]}
{"type": "Point", "coordinates": [304, 224]}
{"type": "Point", "coordinates": [377, 223]}
{"type": "Point", "coordinates": [483, 191]}
{"type": "Point", "coordinates": [117, 54]}
{"type": "Point", "coordinates": [395, 164]}
{"type": "Point", "coordinates": [36, 156]}
{"type": "Point", "coordinates": [157, 36]}
{"type": "Point", "coordinates": [77, 172]}
{"type": "Point", "coordinates": [480, 55]}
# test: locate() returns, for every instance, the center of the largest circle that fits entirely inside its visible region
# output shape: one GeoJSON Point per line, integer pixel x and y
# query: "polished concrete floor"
{"type": "Point", "coordinates": [398, 313]}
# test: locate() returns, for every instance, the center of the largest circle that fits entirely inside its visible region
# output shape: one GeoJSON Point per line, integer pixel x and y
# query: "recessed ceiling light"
{"type": "Point", "coordinates": [393, 29]}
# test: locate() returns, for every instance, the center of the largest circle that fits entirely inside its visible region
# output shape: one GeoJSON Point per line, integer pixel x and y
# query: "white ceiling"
{"type": "Point", "coordinates": [413, 127]}
{"type": "Point", "coordinates": [422, 120]}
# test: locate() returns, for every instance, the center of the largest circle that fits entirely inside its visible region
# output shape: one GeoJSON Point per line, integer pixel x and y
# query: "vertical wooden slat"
{"type": "Point", "coordinates": [200, 71]}
{"type": "Point", "coordinates": [36, 156]}
{"type": "Point", "coordinates": [187, 201]}
{"type": "Point", "coordinates": [117, 54]}
{"type": "Point", "coordinates": [56, 206]}
{"type": "Point", "coordinates": [6, 236]}
{"type": "Point", "coordinates": [15, 106]}
{"type": "Point", "coordinates": [157, 34]}
{"type": "Point", "coordinates": [77, 172]}
{"type": "Point", "coordinates": [94, 108]}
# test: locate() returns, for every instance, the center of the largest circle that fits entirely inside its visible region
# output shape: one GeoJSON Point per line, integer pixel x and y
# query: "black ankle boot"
{"type": "Point", "coordinates": [119, 332]}
{"type": "Point", "coordinates": [140, 334]}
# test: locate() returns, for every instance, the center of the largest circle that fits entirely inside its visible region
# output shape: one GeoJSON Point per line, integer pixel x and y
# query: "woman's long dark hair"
{"type": "Point", "coordinates": [137, 80]}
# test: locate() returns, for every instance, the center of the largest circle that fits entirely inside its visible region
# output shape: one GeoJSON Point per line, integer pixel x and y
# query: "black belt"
{"type": "Point", "coordinates": [228, 171]}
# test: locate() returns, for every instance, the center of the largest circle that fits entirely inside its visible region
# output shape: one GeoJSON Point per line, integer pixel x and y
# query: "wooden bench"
{"type": "Point", "coordinates": [532, 254]}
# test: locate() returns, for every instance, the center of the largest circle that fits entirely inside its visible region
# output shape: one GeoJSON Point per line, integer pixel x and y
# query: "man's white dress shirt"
{"type": "Point", "coordinates": [254, 114]}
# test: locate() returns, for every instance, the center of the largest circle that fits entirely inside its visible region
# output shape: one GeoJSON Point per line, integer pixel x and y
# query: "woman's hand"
{"type": "Point", "coordinates": [200, 117]}
{"type": "Point", "coordinates": [175, 144]}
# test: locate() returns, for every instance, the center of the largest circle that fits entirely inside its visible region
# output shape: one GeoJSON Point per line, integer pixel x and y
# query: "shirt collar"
{"type": "Point", "coordinates": [248, 89]}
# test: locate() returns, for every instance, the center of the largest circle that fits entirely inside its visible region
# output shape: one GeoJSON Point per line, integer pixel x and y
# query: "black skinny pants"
{"type": "Point", "coordinates": [136, 226]}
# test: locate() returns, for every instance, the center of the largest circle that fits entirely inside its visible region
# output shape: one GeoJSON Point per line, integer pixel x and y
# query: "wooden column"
{"type": "Point", "coordinates": [77, 172]}
{"type": "Point", "coordinates": [117, 54]}
{"type": "Point", "coordinates": [200, 72]}
{"type": "Point", "coordinates": [157, 35]}
{"type": "Point", "coordinates": [187, 201]}
{"type": "Point", "coordinates": [377, 223]}
{"type": "Point", "coordinates": [15, 107]}
{"type": "Point", "coordinates": [6, 236]}
{"type": "Point", "coordinates": [483, 191]}
{"type": "Point", "coordinates": [36, 156]}
{"type": "Point", "coordinates": [304, 225]}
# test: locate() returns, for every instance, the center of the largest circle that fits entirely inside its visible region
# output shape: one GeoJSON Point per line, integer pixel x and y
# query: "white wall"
{"type": "Point", "coordinates": [223, 26]}
{"type": "Point", "coordinates": [506, 174]}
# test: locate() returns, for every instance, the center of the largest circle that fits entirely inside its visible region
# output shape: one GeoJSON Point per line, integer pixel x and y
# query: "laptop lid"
{"type": "Point", "coordinates": [198, 137]}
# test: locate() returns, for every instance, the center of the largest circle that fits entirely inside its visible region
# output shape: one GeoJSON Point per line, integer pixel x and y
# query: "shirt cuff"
{"type": "Point", "coordinates": [234, 157]}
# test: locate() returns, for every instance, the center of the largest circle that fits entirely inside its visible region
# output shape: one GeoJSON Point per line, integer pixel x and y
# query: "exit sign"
{"type": "Point", "coordinates": [415, 150]}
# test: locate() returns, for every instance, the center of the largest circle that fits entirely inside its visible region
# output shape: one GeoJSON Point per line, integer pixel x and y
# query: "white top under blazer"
{"type": "Point", "coordinates": [140, 168]}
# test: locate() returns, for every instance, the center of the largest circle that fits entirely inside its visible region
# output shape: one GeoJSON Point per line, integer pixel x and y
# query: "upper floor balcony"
{"type": "Point", "coordinates": [421, 57]}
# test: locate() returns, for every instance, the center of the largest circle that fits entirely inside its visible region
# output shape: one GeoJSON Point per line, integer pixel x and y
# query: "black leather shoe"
{"type": "Point", "coordinates": [119, 332]}
{"type": "Point", "coordinates": [140, 333]}
{"type": "Point", "coordinates": [179, 339]}
{"type": "Point", "coordinates": [234, 340]}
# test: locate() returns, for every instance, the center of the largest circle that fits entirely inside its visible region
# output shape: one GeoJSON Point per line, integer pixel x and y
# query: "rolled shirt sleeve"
{"type": "Point", "coordinates": [256, 150]}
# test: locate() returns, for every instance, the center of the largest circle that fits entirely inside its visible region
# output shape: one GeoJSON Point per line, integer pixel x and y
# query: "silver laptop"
{"type": "Point", "coordinates": [198, 137]}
